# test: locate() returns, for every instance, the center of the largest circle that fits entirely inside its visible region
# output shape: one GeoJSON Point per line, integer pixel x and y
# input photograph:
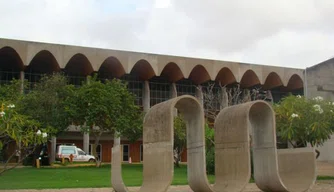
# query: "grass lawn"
{"type": "Point", "coordinates": [78, 177]}
{"type": "Point", "coordinates": [82, 177]}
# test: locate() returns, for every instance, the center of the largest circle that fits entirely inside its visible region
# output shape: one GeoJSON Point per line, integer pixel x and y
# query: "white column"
{"type": "Point", "coordinates": [247, 95]}
{"type": "Point", "coordinates": [86, 142]}
{"type": "Point", "coordinates": [224, 99]}
{"type": "Point", "coordinates": [22, 92]}
{"type": "Point", "coordinates": [173, 90]}
{"type": "Point", "coordinates": [173, 94]}
{"type": "Point", "coordinates": [22, 81]}
{"type": "Point", "coordinates": [53, 149]}
{"type": "Point", "coordinates": [199, 94]}
{"type": "Point", "coordinates": [86, 135]}
{"type": "Point", "coordinates": [269, 96]}
{"type": "Point", "coordinates": [146, 96]}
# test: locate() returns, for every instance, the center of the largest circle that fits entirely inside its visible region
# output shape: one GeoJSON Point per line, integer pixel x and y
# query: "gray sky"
{"type": "Point", "coordinates": [291, 33]}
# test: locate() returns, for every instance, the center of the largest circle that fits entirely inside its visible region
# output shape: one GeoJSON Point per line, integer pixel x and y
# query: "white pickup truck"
{"type": "Point", "coordinates": [78, 154]}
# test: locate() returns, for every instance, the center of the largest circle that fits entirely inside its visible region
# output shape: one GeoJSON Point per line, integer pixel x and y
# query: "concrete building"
{"type": "Point", "coordinates": [320, 82]}
{"type": "Point", "coordinates": [153, 78]}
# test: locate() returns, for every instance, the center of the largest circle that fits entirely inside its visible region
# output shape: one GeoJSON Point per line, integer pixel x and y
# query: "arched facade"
{"type": "Point", "coordinates": [225, 76]}
{"type": "Point", "coordinates": [272, 81]}
{"type": "Point", "coordinates": [143, 70]}
{"type": "Point", "coordinates": [152, 78]}
{"type": "Point", "coordinates": [78, 61]}
{"type": "Point", "coordinates": [10, 60]}
{"type": "Point", "coordinates": [199, 75]}
{"type": "Point", "coordinates": [43, 62]}
{"type": "Point", "coordinates": [78, 65]}
{"type": "Point", "coordinates": [249, 79]}
{"type": "Point", "coordinates": [295, 82]}
{"type": "Point", "coordinates": [111, 68]}
{"type": "Point", "coordinates": [172, 72]}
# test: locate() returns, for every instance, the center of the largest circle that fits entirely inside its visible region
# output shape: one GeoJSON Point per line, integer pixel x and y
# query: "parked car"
{"type": "Point", "coordinates": [78, 154]}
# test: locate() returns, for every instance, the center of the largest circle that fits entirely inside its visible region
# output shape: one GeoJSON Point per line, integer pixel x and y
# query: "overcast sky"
{"type": "Point", "coordinates": [291, 33]}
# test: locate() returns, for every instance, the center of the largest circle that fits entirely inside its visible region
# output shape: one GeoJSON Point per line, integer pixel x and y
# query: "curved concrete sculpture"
{"type": "Point", "coordinates": [232, 151]}
{"type": "Point", "coordinates": [158, 131]}
{"type": "Point", "coordinates": [276, 170]}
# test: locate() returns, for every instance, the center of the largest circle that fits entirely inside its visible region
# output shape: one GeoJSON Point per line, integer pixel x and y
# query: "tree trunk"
{"type": "Point", "coordinates": [177, 162]}
{"type": "Point", "coordinates": [6, 168]}
{"type": "Point", "coordinates": [177, 159]}
{"type": "Point", "coordinates": [96, 143]}
{"type": "Point", "coordinates": [318, 153]}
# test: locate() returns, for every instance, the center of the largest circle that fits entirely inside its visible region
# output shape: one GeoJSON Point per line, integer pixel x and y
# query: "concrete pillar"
{"type": "Point", "coordinates": [146, 96]}
{"type": "Point", "coordinates": [86, 142]}
{"type": "Point", "coordinates": [224, 98]}
{"type": "Point", "coordinates": [247, 96]}
{"type": "Point", "coordinates": [173, 94]}
{"type": "Point", "coordinates": [86, 135]}
{"type": "Point", "coordinates": [199, 94]}
{"type": "Point", "coordinates": [53, 149]}
{"type": "Point", "coordinates": [19, 147]}
{"type": "Point", "coordinates": [173, 90]}
{"type": "Point", "coordinates": [87, 79]}
{"type": "Point", "coordinates": [269, 97]}
{"type": "Point", "coordinates": [22, 81]}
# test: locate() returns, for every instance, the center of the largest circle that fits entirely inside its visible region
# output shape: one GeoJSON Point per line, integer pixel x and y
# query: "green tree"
{"type": "Point", "coordinates": [12, 92]}
{"type": "Point", "coordinates": [106, 107]}
{"type": "Point", "coordinates": [210, 149]}
{"type": "Point", "coordinates": [180, 143]}
{"type": "Point", "coordinates": [301, 121]}
{"type": "Point", "coordinates": [180, 138]}
{"type": "Point", "coordinates": [47, 102]}
{"type": "Point", "coordinates": [20, 129]}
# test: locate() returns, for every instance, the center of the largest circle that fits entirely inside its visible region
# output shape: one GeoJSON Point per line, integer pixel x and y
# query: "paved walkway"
{"type": "Point", "coordinates": [323, 186]}
{"type": "Point", "coordinates": [325, 168]}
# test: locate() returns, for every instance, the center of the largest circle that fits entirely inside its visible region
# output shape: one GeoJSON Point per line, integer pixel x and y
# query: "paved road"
{"type": "Point", "coordinates": [323, 186]}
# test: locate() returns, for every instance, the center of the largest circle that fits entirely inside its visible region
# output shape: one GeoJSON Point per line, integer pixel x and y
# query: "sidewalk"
{"type": "Point", "coordinates": [325, 168]}
{"type": "Point", "coordinates": [325, 186]}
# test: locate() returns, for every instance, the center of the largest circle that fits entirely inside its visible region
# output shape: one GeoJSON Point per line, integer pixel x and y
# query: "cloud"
{"type": "Point", "coordinates": [285, 33]}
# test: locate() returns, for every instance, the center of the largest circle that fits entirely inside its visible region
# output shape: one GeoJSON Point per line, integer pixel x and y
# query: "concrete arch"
{"type": "Point", "coordinates": [232, 150]}
{"type": "Point", "coordinates": [134, 58]}
{"type": "Point", "coordinates": [272, 80]}
{"type": "Point", "coordinates": [43, 62]}
{"type": "Point", "coordinates": [164, 60]}
{"type": "Point", "coordinates": [249, 79]}
{"type": "Point", "coordinates": [199, 74]}
{"type": "Point", "coordinates": [172, 72]}
{"type": "Point", "coordinates": [225, 76]}
{"type": "Point", "coordinates": [79, 65]}
{"type": "Point", "coordinates": [21, 48]}
{"type": "Point", "coordinates": [295, 82]}
{"type": "Point", "coordinates": [158, 147]}
{"type": "Point", "coordinates": [111, 68]}
{"type": "Point", "coordinates": [288, 73]}
{"type": "Point", "coordinates": [10, 60]}
{"type": "Point", "coordinates": [102, 55]}
{"type": "Point", "coordinates": [143, 70]}
{"type": "Point", "coordinates": [277, 170]}
{"type": "Point", "coordinates": [55, 50]}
